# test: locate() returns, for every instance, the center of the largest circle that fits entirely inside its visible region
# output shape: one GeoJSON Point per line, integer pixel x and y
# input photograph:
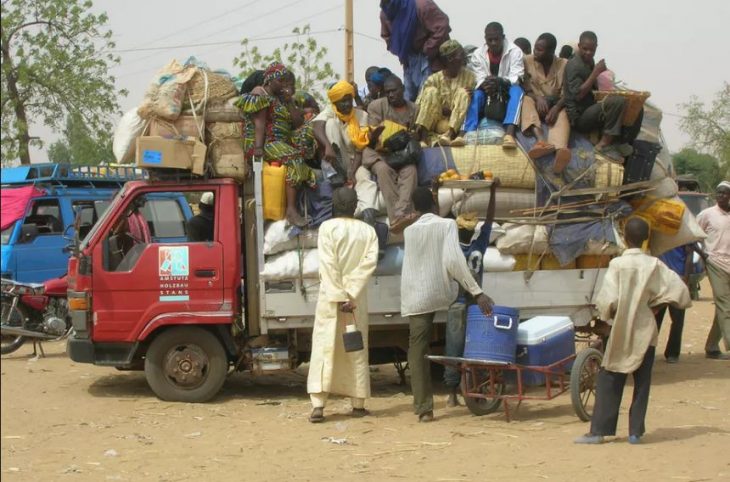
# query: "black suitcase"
{"type": "Point", "coordinates": [639, 165]}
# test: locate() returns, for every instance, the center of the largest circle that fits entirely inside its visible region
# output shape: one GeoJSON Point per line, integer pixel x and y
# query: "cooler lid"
{"type": "Point", "coordinates": [535, 330]}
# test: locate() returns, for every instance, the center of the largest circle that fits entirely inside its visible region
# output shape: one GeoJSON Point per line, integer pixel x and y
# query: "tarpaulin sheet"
{"type": "Point", "coordinates": [13, 203]}
{"type": "Point", "coordinates": [568, 241]}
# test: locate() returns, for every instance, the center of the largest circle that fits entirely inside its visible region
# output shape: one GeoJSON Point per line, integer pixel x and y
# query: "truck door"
{"type": "Point", "coordinates": [39, 254]}
{"type": "Point", "coordinates": [145, 268]}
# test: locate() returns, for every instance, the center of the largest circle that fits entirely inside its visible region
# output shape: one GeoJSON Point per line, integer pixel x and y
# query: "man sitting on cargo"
{"type": "Point", "coordinates": [444, 100]}
{"type": "Point", "coordinates": [343, 132]}
{"type": "Point", "coordinates": [348, 254]}
{"type": "Point", "coordinates": [396, 184]}
{"type": "Point", "coordinates": [581, 76]}
{"type": "Point", "coordinates": [544, 102]}
{"type": "Point", "coordinates": [498, 66]}
{"type": "Point", "coordinates": [200, 226]}
{"type": "Point", "coordinates": [432, 261]}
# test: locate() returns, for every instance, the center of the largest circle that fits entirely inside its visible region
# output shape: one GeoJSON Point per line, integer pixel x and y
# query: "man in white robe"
{"type": "Point", "coordinates": [635, 283]}
{"type": "Point", "coordinates": [348, 254]}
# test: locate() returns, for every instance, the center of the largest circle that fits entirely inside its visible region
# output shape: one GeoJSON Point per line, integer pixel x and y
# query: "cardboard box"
{"type": "Point", "coordinates": [185, 126]}
{"type": "Point", "coordinates": [158, 152]}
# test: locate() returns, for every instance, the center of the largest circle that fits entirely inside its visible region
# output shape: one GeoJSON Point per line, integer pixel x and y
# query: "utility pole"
{"type": "Point", "coordinates": [349, 43]}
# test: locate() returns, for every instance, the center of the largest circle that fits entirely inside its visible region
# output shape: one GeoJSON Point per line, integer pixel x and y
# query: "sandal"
{"type": "Point", "coordinates": [359, 412]}
{"type": "Point", "coordinates": [540, 149]}
{"type": "Point", "coordinates": [508, 142]}
{"type": "Point", "coordinates": [426, 417]}
{"type": "Point", "coordinates": [317, 415]}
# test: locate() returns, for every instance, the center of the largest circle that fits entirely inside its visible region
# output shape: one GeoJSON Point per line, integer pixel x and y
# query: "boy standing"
{"type": "Point", "coordinates": [634, 284]}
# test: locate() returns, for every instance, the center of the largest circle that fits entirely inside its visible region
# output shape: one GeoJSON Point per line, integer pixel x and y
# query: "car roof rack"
{"type": "Point", "coordinates": [67, 175]}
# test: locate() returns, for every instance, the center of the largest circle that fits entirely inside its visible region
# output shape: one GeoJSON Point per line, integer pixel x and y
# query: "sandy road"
{"type": "Point", "coordinates": [66, 421]}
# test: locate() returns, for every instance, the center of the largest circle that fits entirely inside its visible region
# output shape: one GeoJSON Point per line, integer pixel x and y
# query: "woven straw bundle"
{"type": "Point", "coordinates": [511, 166]}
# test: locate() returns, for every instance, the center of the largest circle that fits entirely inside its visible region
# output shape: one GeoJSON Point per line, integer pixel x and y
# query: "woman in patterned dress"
{"type": "Point", "coordinates": [275, 131]}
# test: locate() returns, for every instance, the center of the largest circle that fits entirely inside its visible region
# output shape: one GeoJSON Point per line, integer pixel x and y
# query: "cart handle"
{"type": "Point", "coordinates": [502, 327]}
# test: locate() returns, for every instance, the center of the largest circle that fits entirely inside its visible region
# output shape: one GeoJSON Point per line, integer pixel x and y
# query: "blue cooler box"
{"type": "Point", "coordinates": [542, 341]}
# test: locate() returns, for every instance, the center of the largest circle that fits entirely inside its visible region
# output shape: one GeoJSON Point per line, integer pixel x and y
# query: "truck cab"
{"type": "Point", "coordinates": [47, 198]}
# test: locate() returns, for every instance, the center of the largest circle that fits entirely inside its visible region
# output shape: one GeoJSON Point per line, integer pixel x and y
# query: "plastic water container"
{"type": "Point", "coordinates": [494, 337]}
{"type": "Point", "coordinates": [274, 187]}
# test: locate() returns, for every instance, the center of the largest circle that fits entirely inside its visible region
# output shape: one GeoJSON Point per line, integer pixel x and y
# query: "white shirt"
{"type": "Point", "coordinates": [511, 67]}
{"type": "Point", "coordinates": [433, 264]}
{"type": "Point", "coordinates": [716, 223]}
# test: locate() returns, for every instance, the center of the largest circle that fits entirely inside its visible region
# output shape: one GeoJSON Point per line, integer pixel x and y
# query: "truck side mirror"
{"type": "Point", "coordinates": [28, 232]}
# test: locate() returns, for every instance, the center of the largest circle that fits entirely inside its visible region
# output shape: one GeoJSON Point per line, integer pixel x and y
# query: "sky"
{"type": "Point", "coordinates": [673, 49]}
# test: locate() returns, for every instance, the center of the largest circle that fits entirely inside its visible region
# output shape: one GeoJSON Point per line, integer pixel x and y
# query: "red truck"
{"type": "Point", "coordinates": [188, 312]}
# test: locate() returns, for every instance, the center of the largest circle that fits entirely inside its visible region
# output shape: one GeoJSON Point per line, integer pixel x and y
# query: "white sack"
{"type": "Point", "coordinates": [130, 127]}
{"type": "Point", "coordinates": [494, 261]}
{"type": "Point", "coordinates": [277, 238]}
{"type": "Point", "coordinates": [286, 265]}
{"type": "Point", "coordinates": [523, 239]}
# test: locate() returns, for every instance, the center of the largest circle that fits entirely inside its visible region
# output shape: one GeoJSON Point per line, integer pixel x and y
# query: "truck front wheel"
{"type": "Point", "coordinates": [186, 364]}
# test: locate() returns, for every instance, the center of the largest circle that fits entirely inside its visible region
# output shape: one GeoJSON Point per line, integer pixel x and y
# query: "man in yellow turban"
{"type": "Point", "coordinates": [343, 131]}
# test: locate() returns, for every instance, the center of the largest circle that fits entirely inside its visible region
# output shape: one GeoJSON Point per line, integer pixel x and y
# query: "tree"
{"type": "Point", "coordinates": [80, 146]}
{"type": "Point", "coordinates": [710, 127]}
{"type": "Point", "coordinates": [56, 56]}
{"type": "Point", "coordinates": [304, 57]}
{"type": "Point", "coordinates": [702, 167]}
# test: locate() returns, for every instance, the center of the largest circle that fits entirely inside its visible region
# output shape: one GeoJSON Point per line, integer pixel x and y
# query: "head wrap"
{"type": "Point", "coordinates": [275, 71]}
{"type": "Point", "coordinates": [449, 48]}
{"type": "Point", "coordinates": [725, 184]}
{"type": "Point", "coordinates": [467, 221]}
{"type": "Point", "coordinates": [360, 137]}
{"type": "Point", "coordinates": [344, 202]}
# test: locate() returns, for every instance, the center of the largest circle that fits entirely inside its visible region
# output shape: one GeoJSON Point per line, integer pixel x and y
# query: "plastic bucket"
{"type": "Point", "coordinates": [493, 337]}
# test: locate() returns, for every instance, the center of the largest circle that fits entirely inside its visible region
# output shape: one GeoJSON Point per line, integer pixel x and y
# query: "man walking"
{"type": "Point", "coordinates": [348, 254]}
{"type": "Point", "coordinates": [716, 223]}
{"type": "Point", "coordinates": [433, 259]}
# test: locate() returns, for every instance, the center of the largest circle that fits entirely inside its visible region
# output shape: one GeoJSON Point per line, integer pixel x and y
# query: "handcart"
{"type": "Point", "coordinates": [484, 383]}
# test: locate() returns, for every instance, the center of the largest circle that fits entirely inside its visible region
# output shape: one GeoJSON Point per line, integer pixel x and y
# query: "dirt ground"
{"type": "Point", "coordinates": [68, 421]}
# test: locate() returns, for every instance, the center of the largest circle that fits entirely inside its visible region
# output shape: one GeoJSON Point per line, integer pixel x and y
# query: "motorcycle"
{"type": "Point", "coordinates": [30, 311]}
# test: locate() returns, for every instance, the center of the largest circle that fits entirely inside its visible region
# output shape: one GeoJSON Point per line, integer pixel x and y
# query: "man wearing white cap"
{"type": "Point", "coordinates": [716, 223]}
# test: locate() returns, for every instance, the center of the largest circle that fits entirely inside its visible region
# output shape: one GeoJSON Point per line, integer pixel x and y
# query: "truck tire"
{"type": "Point", "coordinates": [186, 364]}
{"type": "Point", "coordinates": [12, 317]}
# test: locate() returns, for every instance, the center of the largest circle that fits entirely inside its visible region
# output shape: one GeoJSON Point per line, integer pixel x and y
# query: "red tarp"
{"type": "Point", "coordinates": [13, 203]}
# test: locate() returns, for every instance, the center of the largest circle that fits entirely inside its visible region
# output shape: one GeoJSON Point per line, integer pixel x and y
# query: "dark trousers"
{"type": "Point", "coordinates": [420, 333]}
{"type": "Point", "coordinates": [609, 391]}
{"type": "Point", "coordinates": [607, 117]}
{"type": "Point", "coordinates": [674, 343]}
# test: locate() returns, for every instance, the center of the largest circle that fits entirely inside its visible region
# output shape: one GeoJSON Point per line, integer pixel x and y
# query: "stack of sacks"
{"type": "Point", "coordinates": [187, 102]}
{"type": "Point", "coordinates": [287, 249]}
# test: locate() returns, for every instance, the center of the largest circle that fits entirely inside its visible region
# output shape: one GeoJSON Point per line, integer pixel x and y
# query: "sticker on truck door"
{"type": "Point", "coordinates": [174, 264]}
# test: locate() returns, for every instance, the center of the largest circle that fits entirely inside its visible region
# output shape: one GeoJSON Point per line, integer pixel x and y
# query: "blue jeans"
{"type": "Point", "coordinates": [415, 74]}
{"type": "Point", "coordinates": [455, 335]}
{"type": "Point", "coordinates": [476, 108]}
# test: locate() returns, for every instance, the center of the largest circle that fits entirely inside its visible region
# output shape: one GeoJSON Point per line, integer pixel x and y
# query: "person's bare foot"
{"type": "Point", "coordinates": [453, 400]}
{"type": "Point", "coordinates": [295, 219]}
{"type": "Point", "coordinates": [562, 159]}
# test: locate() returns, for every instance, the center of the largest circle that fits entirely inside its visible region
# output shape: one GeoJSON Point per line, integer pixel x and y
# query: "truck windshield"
{"type": "Point", "coordinates": [7, 233]}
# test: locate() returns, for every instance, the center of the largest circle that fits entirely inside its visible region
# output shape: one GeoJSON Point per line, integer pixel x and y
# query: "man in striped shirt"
{"type": "Point", "coordinates": [433, 267]}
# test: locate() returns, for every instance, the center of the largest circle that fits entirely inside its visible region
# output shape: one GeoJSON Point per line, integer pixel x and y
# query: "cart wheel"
{"type": "Point", "coordinates": [483, 406]}
{"type": "Point", "coordinates": [583, 378]}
